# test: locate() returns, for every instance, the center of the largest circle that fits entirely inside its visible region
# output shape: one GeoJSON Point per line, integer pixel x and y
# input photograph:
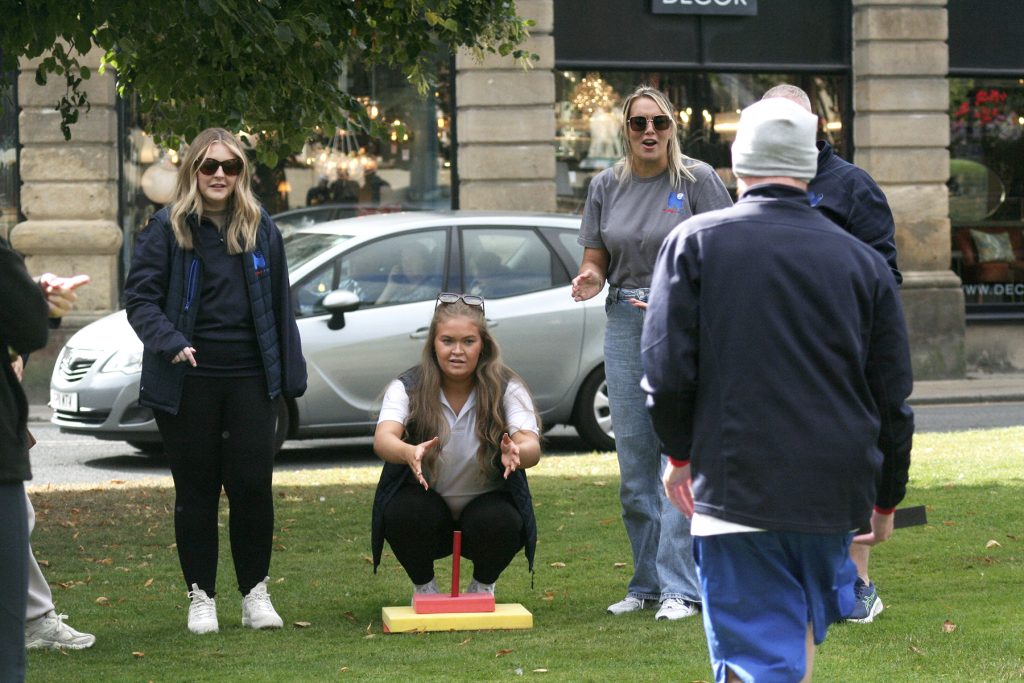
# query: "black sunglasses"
{"type": "Point", "coordinates": [452, 297]}
{"type": "Point", "coordinates": [232, 167]}
{"type": "Point", "coordinates": [639, 123]}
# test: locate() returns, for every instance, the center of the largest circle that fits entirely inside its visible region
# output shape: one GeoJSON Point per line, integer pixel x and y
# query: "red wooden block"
{"type": "Point", "coordinates": [440, 603]}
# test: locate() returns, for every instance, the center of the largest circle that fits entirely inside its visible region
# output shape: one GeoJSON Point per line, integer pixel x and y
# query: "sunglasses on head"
{"type": "Point", "coordinates": [232, 167]}
{"type": "Point", "coordinates": [639, 123]}
{"type": "Point", "coordinates": [452, 297]}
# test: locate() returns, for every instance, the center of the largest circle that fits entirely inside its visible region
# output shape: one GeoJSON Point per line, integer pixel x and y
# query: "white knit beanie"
{"type": "Point", "coordinates": [775, 137]}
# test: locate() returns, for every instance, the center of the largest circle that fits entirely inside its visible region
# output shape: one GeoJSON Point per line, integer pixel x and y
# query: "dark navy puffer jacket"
{"type": "Point", "coordinates": [162, 298]}
{"type": "Point", "coordinates": [851, 199]}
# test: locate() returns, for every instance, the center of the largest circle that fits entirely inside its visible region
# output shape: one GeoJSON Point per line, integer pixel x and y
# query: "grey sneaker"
{"type": "Point", "coordinates": [676, 608]}
{"type": "Point", "coordinates": [257, 610]}
{"type": "Point", "coordinates": [202, 613]}
{"type": "Point", "coordinates": [477, 587]}
{"type": "Point", "coordinates": [630, 604]}
{"type": "Point", "coordinates": [49, 632]}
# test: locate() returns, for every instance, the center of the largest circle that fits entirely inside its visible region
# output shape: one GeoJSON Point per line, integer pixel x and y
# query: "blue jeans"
{"type": "Point", "coordinates": [658, 533]}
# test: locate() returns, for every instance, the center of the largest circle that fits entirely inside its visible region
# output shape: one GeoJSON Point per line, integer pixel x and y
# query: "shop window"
{"type": "Point", "coordinates": [8, 158]}
{"type": "Point", "coordinates": [588, 118]}
{"type": "Point", "coordinates": [986, 193]}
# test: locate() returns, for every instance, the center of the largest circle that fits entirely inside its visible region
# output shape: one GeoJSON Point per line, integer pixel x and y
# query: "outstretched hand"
{"type": "Point", "coordinates": [586, 285]}
{"type": "Point", "coordinates": [416, 461]}
{"type": "Point", "coordinates": [60, 292]}
{"type": "Point", "coordinates": [509, 454]}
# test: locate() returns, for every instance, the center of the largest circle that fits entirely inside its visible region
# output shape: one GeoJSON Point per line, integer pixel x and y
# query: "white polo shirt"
{"type": "Point", "coordinates": [458, 478]}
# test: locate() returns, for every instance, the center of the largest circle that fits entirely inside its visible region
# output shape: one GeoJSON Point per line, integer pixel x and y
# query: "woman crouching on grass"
{"type": "Point", "coordinates": [455, 433]}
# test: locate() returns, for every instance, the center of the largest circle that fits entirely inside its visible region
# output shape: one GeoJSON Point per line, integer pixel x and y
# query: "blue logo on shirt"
{"type": "Point", "coordinates": [259, 263]}
{"type": "Point", "coordinates": [814, 198]}
{"type": "Point", "coordinates": [675, 202]}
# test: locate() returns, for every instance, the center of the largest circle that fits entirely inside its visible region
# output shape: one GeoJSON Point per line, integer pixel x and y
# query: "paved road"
{"type": "Point", "coordinates": [68, 459]}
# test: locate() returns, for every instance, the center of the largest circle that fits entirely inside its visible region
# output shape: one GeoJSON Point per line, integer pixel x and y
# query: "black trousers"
{"type": "Point", "coordinates": [222, 437]}
{"type": "Point", "coordinates": [418, 525]}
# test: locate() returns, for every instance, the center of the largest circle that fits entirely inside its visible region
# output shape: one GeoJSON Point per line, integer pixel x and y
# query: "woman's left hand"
{"type": "Point", "coordinates": [509, 454]}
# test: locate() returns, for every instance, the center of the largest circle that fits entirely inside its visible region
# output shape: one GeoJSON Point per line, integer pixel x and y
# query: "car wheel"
{"type": "Point", "coordinates": [148, 447]}
{"type": "Point", "coordinates": [593, 414]}
{"type": "Point", "coordinates": [283, 424]}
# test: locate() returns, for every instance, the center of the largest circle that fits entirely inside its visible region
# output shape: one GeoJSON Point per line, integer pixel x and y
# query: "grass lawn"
{"type": "Point", "coordinates": [953, 590]}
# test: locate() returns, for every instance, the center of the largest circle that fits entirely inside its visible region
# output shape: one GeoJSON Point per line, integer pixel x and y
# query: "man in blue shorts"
{"type": "Point", "coordinates": [777, 371]}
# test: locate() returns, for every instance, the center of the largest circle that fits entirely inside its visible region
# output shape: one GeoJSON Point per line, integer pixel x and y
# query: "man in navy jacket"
{"type": "Point", "coordinates": [777, 371]}
{"type": "Point", "coordinates": [851, 199]}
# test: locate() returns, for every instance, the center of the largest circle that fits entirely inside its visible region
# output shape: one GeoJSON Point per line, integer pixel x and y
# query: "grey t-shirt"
{"type": "Point", "coordinates": [631, 219]}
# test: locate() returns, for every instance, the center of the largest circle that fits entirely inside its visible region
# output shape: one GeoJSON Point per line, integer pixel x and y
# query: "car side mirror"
{"type": "Point", "coordinates": [338, 303]}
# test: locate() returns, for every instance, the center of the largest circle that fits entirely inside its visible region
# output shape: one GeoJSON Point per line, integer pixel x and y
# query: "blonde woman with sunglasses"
{"type": "Point", "coordinates": [455, 433]}
{"type": "Point", "coordinates": [630, 209]}
{"type": "Point", "coordinates": [208, 295]}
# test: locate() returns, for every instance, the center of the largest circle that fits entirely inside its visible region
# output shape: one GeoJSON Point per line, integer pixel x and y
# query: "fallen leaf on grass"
{"type": "Point", "coordinates": [351, 618]}
{"type": "Point", "coordinates": [343, 669]}
{"type": "Point", "coordinates": [606, 522]}
{"type": "Point", "coordinates": [138, 654]}
{"type": "Point", "coordinates": [149, 582]}
{"type": "Point", "coordinates": [993, 544]}
{"type": "Point", "coordinates": [467, 641]}
{"type": "Point", "coordinates": [916, 650]}
{"type": "Point", "coordinates": [558, 565]}
{"type": "Point", "coordinates": [502, 653]}
{"type": "Point", "coordinates": [600, 483]}
{"type": "Point", "coordinates": [540, 671]}
{"type": "Point", "coordinates": [948, 522]}
{"type": "Point", "coordinates": [43, 563]}
{"type": "Point", "coordinates": [302, 624]}
{"type": "Point", "coordinates": [619, 565]}
{"type": "Point", "coordinates": [102, 601]}
{"type": "Point", "coordinates": [548, 596]}
{"type": "Point", "coordinates": [948, 626]}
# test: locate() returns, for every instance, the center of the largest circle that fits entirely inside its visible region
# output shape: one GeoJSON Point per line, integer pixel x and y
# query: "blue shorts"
{"type": "Point", "coordinates": [762, 589]}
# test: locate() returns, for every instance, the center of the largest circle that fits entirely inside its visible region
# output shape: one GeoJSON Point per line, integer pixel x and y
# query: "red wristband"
{"type": "Point", "coordinates": [884, 511]}
{"type": "Point", "coordinates": [676, 462]}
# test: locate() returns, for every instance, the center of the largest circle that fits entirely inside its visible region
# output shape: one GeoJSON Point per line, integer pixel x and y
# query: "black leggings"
{"type": "Point", "coordinates": [418, 525]}
{"type": "Point", "coordinates": [222, 436]}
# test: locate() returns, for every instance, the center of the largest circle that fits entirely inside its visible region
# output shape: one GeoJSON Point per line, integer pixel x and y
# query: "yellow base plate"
{"type": "Point", "coordinates": [405, 619]}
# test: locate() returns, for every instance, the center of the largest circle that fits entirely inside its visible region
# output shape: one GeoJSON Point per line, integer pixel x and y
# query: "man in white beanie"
{"type": "Point", "coordinates": [777, 371]}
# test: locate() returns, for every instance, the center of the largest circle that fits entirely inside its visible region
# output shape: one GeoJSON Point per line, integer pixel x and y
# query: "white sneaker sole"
{"type": "Point", "coordinates": [876, 609]}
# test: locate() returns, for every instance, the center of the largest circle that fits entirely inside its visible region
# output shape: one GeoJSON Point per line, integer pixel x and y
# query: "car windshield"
{"type": "Point", "coordinates": [300, 247]}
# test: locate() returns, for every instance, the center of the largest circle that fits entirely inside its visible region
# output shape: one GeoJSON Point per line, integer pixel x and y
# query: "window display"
{"type": "Point", "coordinates": [986, 193]}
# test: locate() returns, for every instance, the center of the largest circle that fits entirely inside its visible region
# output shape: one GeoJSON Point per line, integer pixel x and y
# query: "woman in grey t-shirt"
{"type": "Point", "coordinates": [630, 209]}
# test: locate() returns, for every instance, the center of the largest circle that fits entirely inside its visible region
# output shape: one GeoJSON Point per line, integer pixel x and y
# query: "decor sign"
{"type": "Point", "coordinates": [733, 7]}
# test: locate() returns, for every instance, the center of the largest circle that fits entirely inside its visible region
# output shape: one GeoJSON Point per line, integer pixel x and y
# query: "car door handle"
{"type": "Point", "coordinates": [491, 323]}
{"type": "Point", "coordinates": [420, 333]}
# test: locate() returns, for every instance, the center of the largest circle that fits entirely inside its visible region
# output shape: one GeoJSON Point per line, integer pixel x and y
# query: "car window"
{"type": "Point", "coordinates": [568, 239]}
{"type": "Point", "coordinates": [399, 269]}
{"type": "Point", "coordinates": [501, 262]}
{"type": "Point", "coordinates": [301, 247]}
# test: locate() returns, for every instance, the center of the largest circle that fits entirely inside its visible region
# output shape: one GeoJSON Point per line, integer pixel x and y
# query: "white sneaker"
{"type": "Point", "coordinates": [257, 610]}
{"type": "Point", "coordinates": [51, 633]}
{"type": "Point", "coordinates": [202, 613]}
{"type": "Point", "coordinates": [629, 604]}
{"type": "Point", "coordinates": [477, 587]}
{"type": "Point", "coordinates": [676, 608]}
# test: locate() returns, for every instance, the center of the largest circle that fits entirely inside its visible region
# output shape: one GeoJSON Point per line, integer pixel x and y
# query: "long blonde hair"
{"type": "Point", "coordinates": [677, 169]}
{"type": "Point", "coordinates": [244, 211]}
{"type": "Point", "coordinates": [491, 377]}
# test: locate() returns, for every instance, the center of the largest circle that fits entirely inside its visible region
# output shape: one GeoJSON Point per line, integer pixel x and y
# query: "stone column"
{"type": "Point", "coordinates": [506, 124]}
{"type": "Point", "coordinates": [901, 137]}
{"type": "Point", "coordinates": [69, 191]}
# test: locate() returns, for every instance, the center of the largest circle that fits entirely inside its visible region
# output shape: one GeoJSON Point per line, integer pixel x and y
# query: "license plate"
{"type": "Point", "coordinates": [60, 400]}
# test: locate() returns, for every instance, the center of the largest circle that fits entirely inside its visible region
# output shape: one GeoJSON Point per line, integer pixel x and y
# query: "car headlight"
{"type": "Point", "coordinates": [128, 361]}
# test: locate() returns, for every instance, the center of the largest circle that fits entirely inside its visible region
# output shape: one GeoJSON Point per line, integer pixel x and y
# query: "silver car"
{"type": "Point", "coordinates": [364, 291]}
